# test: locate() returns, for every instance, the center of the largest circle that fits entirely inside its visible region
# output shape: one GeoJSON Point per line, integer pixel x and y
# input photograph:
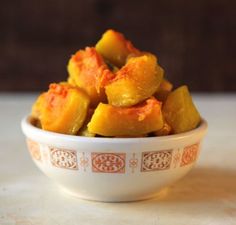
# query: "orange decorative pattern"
{"type": "Point", "coordinates": [84, 161]}
{"type": "Point", "coordinates": [113, 162]}
{"type": "Point", "coordinates": [133, 163]}
{"type": "Point", "coordinates": [108, 162]}
{"type": "Point", "coordinates": [34, 150]}
{"type": "Point", "coordinates": [156, 160]}
{"type": "Point", "coordinates": [189, 154]}
{"type": "Point", "coordinates": [63, 158]}
{"type": "Point", "coordinates": [176, 158]}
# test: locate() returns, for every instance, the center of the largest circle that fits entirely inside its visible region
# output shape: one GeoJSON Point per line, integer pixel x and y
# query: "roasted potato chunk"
{"type": "Point", "coordinates": [115, 48]}
{"type": "Point", "coordinates": [63, 109]}
{"type": "Point", "coordinates": [138, 120]}
{"type": "Point", "coordinates": [180, 111]}
{"type": "Point", "coordinates": [136, 81]}
{"type": "Point", "coordinates": [163, 90]}
{"type": "Point", "coordinates": [87, 70]}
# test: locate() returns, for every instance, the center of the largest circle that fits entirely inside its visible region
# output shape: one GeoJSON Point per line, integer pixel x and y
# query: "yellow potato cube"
{"type": "Point", "coordinates": [115, 48]}
{"type": "Point", "coordinates": [180, 111]}
{"type": "Point", "coordinates": [163, 90]}
{"type": "Point", "coordinates": [64, 109]}
{"type": "Point", "coordinates": [136, 81]}
{"type": "Point", "coordinates": [86, 70]}
{"type": "Point", "coordinates": [138, 120]}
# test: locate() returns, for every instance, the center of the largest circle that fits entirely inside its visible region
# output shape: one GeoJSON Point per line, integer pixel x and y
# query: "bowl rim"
{"type": "Point", "coordinates": [27, 128]}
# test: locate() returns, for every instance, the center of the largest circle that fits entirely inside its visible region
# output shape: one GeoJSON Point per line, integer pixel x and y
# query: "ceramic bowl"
{"type": "Point", "coordinates": [113, 169]}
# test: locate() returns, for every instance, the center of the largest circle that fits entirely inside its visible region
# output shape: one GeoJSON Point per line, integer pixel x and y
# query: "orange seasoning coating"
{"type": "Point", "coordinates": [87, 70]}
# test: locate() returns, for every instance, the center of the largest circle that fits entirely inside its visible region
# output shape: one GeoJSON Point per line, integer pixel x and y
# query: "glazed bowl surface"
{"type": "Point", "coordinates": [113, 169]}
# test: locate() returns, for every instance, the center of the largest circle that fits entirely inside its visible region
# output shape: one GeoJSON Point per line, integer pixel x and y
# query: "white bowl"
{"type": "Point", "coordinates": [113, 169]}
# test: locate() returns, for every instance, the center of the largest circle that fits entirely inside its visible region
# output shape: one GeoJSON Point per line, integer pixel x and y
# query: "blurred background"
{"type": "Point", "coordinates": [195, 40]}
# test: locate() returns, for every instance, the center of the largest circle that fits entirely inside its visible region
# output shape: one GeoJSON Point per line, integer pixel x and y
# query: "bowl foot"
{"type": "Point", "coordinates": [158, 195]}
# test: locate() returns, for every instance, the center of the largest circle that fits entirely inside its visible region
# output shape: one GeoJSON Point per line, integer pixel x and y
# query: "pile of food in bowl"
{"type": "Point", "coordinates": [114, 119]}
{"type": "Point", "coordinates": [115, 90]}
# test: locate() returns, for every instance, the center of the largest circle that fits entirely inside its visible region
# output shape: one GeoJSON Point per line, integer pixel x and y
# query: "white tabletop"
{"type": "Point", "coordinates": [207, 195]}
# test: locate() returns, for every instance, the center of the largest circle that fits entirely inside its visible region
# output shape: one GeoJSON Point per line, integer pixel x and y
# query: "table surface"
{"type": "Point", "coordinates": [207, 195]}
